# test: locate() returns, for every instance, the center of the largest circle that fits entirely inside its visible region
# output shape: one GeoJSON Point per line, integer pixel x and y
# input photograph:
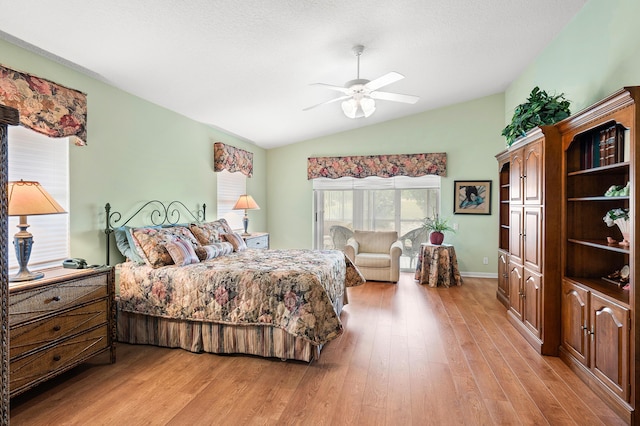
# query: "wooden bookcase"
{"type": "Point", "coordinates": [599, 316]}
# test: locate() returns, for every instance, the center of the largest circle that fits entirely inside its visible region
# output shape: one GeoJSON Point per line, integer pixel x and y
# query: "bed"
{"type": "Point", "coordinates": [191, 284]}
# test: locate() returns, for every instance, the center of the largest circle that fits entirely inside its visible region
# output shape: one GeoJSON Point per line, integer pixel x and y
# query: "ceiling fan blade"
{"type": "Point", "coordinates": [396, 97]}
{"type": "Point", "coordinates": [332, 87]}
{"type": "Point", "coordinates": [328, 102]}
{"type": "Point", "coordinates": [386, 79]}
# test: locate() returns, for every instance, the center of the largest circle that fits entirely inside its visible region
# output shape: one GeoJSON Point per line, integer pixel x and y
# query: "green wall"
{"type": "Point", "coordinates": [596, 54]}
{"type": "Point", "coordinates": [136, 151]}
{"type": "Point", "coordinates": [468, 132]}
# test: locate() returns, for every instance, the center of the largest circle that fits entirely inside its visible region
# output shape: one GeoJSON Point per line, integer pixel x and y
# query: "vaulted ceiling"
{"type": "Point", "coordinates": [245, 66]}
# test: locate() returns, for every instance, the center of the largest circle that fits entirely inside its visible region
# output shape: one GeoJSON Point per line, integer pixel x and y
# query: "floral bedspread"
{"type": "Point", "coordinates": [291, 289]}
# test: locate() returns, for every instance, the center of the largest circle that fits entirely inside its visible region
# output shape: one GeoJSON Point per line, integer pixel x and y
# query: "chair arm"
{"type": "Point", "coordinates": [351, 249]}
{"type": "Point", "coordinates": [396, 249]}
{"type": "Point", "coordinates": [395, 252]}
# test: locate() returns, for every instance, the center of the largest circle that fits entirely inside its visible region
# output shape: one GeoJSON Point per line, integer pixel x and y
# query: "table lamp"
{"type": "Point", "coordinates": [28, 198]}
{"type": "Point", "coordinates": [246, 202]}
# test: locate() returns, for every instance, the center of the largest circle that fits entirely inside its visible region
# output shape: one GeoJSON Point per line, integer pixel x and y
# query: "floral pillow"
{"type": "Point", "coordinates": [150, 245]}
{"type": "Point", "coordinates": [209, 232]}
{"type": "Point", "coordinates": [182, 252]}
{"type": "Point", "coordinates": [184, 233]}
{"type": "Point", "coordinates": [236, 241]}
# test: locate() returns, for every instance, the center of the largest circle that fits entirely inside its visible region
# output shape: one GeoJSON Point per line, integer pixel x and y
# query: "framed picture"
{"type": "Point", "coordinates": [472, 197]}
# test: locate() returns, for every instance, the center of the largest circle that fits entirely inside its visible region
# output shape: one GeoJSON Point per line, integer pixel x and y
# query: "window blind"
{"type": "Point", "coordinates": [36, 157]}
{"type": "Point", "coordinates": [230, 187]}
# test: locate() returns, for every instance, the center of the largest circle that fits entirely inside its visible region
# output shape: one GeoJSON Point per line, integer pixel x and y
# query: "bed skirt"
{"type": "Point", "coordinates": [214, 338]}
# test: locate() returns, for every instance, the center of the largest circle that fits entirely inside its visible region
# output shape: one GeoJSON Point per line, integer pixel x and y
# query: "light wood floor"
{"type": "Point", "coordinates": [410, 355]}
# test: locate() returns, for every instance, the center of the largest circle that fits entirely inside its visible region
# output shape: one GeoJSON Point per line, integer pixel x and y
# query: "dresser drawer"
{"type": "Point", "coordinates": [39, 301]}
{"type": "Point", "coordinates": [33, 335]}
{"type": "Point", "coordinates": [39, 366]}
{"type": "Point", "coordinates": [258, 242]}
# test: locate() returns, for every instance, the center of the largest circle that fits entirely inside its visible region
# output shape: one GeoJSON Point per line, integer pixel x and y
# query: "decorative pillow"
{"type": "Point", "coordinates": [126, 245]}
{"type": "Point", "coordinates": [206, 233]}
{"type": "Point", "coordinates": [209, 232]}
{"type": "Point", "coordinates": [207, 252]}
{"type": "Point", "coordinates": [236, 241]}
{"type": "Point", "coordinates": [224, 225]}
{"type": "Point", "coordinates": [181, 252]}
{"type": "Point", "coordinates": [211, 251]}
{"type": "Point", "coordinates": [183, 232]}
{"type": "Point", "coordinates": [150, 244]}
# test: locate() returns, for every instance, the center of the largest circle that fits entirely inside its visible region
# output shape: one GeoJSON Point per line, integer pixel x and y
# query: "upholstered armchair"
{"type": "Point", "coordinates": [376, 254]}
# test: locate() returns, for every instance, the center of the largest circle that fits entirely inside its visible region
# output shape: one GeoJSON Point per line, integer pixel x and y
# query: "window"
{"type": "Point", "coordinates": [373, 204]}
{"type": "Point", "coordinates": [230, 187]}
{"type": "Point", "coordinates": [36, 157]}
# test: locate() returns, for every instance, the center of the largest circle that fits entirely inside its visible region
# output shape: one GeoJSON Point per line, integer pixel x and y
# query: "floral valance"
{"type": "Point", "coordinates": [363, 166]}
{"type": "Point", "coordinates": [232, 159]}
{"type": "Point", "coordinates": [44, 106]}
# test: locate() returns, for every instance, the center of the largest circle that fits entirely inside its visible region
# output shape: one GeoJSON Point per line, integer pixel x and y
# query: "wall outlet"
{"type": "Point", "coordinates": [485, 260]}
{"type": "Point", "coordinates": [455, 226]}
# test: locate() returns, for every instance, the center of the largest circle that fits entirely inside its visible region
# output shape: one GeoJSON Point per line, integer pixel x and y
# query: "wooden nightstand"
{"type": "Point", "coordinates": [58, 322]}
{"type": "Point", "coordinates": [257, 240]}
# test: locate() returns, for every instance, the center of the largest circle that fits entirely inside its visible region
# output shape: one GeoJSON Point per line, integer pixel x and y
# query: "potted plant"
{"type": "Point", "coordinates": [436, 226]}
{"type": "Point", "coordinates": [540, 109]}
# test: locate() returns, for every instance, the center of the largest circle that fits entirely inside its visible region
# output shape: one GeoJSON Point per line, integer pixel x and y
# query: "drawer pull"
{"type": "Point", "coordinates": [57, 357]}
{"type": "Point", "coordinates": [56, 328]}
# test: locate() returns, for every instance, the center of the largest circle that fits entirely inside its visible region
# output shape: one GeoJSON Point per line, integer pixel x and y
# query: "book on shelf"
{"type": "Point", "coordinates": [624, 144]}
{"type": "Point", "coordinates": [610, 146]}
{"type": "Point", "coordinates": [603, 148]}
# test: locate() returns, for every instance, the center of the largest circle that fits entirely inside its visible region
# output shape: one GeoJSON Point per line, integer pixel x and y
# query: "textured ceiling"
{"type": "Point", "coordinates": [245, 66]}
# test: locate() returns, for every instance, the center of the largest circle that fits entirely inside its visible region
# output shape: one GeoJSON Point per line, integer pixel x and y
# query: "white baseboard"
{"type": "Point", "coordinates": [464, 274]}
{"type": "Point", "coordinates": [479, 274]}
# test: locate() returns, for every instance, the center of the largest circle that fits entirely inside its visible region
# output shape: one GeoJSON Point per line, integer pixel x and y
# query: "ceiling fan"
{"type": "Point", "coordinates": [359, 95]}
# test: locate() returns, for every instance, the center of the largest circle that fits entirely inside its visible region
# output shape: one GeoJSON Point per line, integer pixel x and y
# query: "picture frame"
{"type": "Point", "coordinates": [472, 197]}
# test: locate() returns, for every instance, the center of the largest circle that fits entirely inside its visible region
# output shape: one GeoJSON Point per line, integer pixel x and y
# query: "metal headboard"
{"type": "Point", "coordinates": [159, 214]}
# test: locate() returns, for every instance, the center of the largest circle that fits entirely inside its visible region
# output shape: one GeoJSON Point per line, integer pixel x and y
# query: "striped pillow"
{"type": "Point", "coordinates": [181, 252]}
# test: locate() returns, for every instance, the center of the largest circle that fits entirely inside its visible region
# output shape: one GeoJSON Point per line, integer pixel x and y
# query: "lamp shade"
{"type": "Point", "coordinates": [27, 198]}
{"type": "Point", "coordinates": [246, 202]}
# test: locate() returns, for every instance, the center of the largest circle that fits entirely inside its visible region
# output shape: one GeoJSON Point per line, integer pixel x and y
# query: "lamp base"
{"type": "Point", "coordinates": [245, 222]}
{"type": "Point", "coordinates": [23, 240]}
{"type": "Point", "coordinates": [26, 276]}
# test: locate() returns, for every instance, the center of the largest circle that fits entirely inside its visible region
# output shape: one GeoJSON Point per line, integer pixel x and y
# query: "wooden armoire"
{"type": "Point", "coordinates": [529, 253]}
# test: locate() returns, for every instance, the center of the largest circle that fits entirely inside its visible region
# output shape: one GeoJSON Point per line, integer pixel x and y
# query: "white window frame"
{"type": "Point", "coordinates": [369, 183]}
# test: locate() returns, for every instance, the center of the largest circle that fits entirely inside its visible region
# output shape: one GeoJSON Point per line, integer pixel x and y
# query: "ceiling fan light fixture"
{"type": "Point", "coordinates": [359, 95]}
{"type": "Point", "coordinates": [358, 108]}
{"type": "Point", "coordinates": [368, 106]}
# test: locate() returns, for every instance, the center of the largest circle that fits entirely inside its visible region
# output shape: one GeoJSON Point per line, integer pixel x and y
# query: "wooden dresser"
{"type": "Point", "coordinates": [58, 322]}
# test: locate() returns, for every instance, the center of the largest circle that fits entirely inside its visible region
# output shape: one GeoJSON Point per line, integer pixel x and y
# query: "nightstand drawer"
{"type": "Point", "coordinates": [33, 335]}
{"type": "Point", "coordinates": [39, 301]}
{"type": "Point", "coordinates": [39, 366]}
{"type": "Point", "coordinates": [257, 241]}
